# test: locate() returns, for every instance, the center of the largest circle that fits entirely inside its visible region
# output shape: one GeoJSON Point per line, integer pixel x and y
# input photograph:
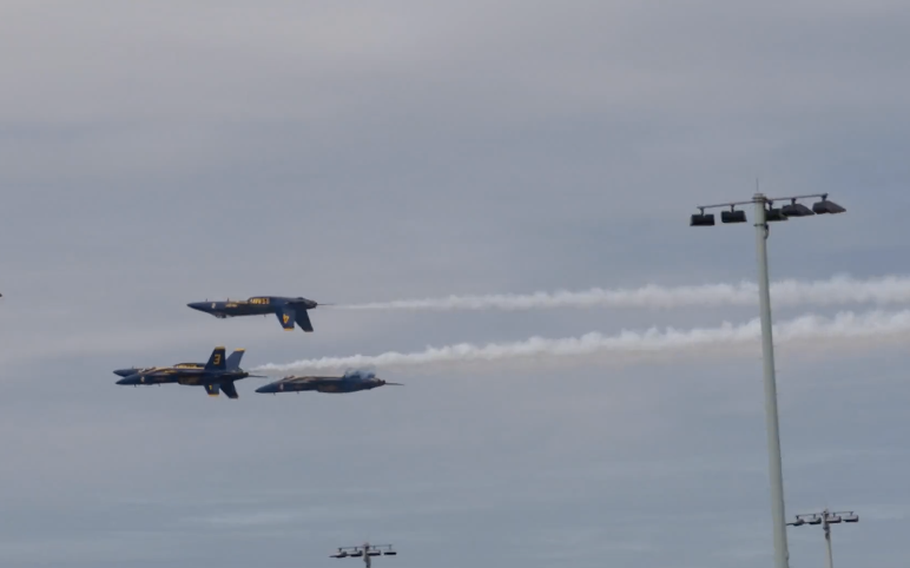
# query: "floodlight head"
{"type": "Point", "coordinates": [796, 210]}
{"type": "Point", "coordinates": [825, 206]}
{"type": "Point", "coordinates": [702, 219]}
{"type": "Point", "coordinates": [833, 519]}
{"type": "Point", "coordinates": [772, 214]}
{"type": "Point", "coordinates": [733, 216]}
{"type": "Point", "coordinates": [851, 518]}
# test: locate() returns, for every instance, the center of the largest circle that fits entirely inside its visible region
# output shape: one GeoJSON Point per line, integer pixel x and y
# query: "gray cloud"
{"type": "Point", "coordinates": [159, 154]}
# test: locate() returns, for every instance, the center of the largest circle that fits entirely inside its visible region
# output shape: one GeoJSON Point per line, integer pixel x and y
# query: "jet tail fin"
{"type": "Point", "coordinates": [216, 360]}
{"type": "Point", "coordinates": [233, 361]}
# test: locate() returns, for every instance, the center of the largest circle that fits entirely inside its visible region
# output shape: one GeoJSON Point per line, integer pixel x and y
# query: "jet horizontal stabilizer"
{"type": "Point", "coordinates": [230, 390]}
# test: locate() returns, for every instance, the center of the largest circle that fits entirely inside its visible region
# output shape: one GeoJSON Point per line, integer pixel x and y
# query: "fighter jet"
{"type": "Point", "coordinates": [232, 360]}
{"type": "Point", "coordinates": [287, 310]}
{"type": "Point", "coordinates": [216, 374]}
{"type": "Point", "coordinates": [351, 381]}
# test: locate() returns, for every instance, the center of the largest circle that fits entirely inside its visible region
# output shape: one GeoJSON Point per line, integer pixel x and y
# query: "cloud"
{"type": "Point", "coordinates": [840, 289]}
{"type": "Point", "coordinates": [158, 154]}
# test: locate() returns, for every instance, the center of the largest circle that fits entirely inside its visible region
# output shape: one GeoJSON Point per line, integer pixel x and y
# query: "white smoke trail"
{"type": "Point", "coordinates": [845, 325]}
{"type": "Point", "coordinates": [840, 289]}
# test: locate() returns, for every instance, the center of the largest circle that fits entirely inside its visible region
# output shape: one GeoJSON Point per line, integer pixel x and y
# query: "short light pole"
{"type": "Point", "coordinates": [826, 518]}
{"type": "Point", "coordinates": [765, 212]}
{"type": "Point", "coordinates": [366, 551]}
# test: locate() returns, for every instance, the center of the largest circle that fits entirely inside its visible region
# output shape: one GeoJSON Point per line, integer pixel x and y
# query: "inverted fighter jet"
{"type": "Point", "coordinates": [287, 310]}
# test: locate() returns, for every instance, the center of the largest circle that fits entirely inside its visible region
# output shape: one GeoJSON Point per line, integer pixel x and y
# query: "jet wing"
{"type": "Point", "coordinates": [212, 389]}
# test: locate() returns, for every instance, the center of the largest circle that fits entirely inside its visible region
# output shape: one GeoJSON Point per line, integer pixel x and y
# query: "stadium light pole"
{"type": "Point", "coordinates": [826, 518]}
{"type": "Point", "coordinates": [366, 551]}
{"type": "Point", "coordinates": [765, 213]}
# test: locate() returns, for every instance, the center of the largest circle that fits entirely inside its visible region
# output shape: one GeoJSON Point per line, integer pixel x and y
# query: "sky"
{"type": "Point", "coordinates": [158, 153]}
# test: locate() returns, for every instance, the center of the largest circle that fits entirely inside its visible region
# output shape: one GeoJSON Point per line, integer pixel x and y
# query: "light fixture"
{"type": "Point", "coordinates": [733, 216]}
{"type": "Point", "coordinates": [796, 210]}
{"type": "Point", "coordinates": [702, 219]}
{"type": "Point", "coordinates": [825, 206]}
{"type": "Point", "coordinates": [774, 213]}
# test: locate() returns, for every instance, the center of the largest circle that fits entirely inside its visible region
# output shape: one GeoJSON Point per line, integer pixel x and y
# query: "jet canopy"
{"type": "Point", "coordinates": [360, 374]}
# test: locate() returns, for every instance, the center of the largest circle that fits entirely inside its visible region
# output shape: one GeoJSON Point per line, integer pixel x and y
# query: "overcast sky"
{"type": "Point", "coordinates": [159, 153]}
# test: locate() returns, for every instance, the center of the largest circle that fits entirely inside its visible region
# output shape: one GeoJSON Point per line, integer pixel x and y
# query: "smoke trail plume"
{"type": "Point", "coordinates": [845, 325]}
{"type": "Point", "coordinates": [840, 289]}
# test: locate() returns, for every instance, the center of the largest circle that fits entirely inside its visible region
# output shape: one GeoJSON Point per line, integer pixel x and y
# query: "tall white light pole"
{"type": "Point", "coordinates": [826, 518]}
{"type": "Point", "coordinates": [765, 213]}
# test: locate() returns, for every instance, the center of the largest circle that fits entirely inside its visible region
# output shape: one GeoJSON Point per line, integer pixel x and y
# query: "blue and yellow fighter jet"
{"type": "Point", "coordinates": [288, 310]}
{"type": "Point", "coordinates": [351, 381]}
{"type": "Point", "coordinates": [217, 373]}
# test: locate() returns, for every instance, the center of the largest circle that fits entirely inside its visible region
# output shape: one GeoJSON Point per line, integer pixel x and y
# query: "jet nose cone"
{"type": "Point", "coordinates": [197, 305]}
{"type": "Point", "coordinates": [266, 388]}
{"type": "Point", "coordinates": [131, 379]}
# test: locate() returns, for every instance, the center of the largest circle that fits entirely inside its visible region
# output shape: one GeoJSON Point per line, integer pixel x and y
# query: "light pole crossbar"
{"type": "Point", "coordinates": [366, 551]}
{"type": "Point", "coordinates": [762, 198]}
